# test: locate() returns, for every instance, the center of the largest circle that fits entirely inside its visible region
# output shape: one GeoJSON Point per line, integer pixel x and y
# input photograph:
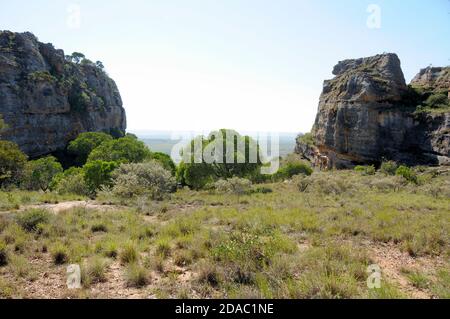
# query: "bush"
{"type": "Point", "coordinates": [365, 170]}
{"type": "Point", "coordinates": [235, 185]}
{"type": "Point", "coordinates": [142, 179]}
{"type": "Point", "coordinates": [123, 150]}
{"type": "Point", "coordinates": [137, 276]}
{"type": "Point", "coordinates": [291, 169]}
{"type": "Point", "coordinates": [165, 161]}
{"type": "Point", "coordinates": [85, 143]}
{"type": "Point", "coordinates": [39, 174]}
{"type": "Point", "coordinates": [407, 173]}
{"type": "Point", "coordinates": [437, 100]}
{"type": "Point", "coordinates": [72, 181]}
{"type": "Point", "coordinates": [388, 168]}
{"type": "Point", "coordinates": [12, 163]}
{"type": "Point", "coordinates": [30, 220]}
{"type": "Point", "coordinates": [98, 173]}
{"type": "Point", "coordinates": [3, 254]}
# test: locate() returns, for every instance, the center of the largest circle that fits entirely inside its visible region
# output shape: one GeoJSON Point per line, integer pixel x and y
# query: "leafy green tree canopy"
{"type": "Point", "coordinates": [12, 163]}
{"type": "Point", "coordinates": [39, 173]}
{"type": "Point", "coordinates": [123, 150]}
{"type": "Point", "coordinates": [85, 143]}
{"type": "Point", "coordinates": [223, 154]}
{"type": "Point", "coordinates": [98, 174]}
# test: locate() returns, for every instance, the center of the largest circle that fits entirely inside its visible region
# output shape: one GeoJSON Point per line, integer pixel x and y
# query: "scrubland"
{"type": "Point", "coordinates": [305, 237]}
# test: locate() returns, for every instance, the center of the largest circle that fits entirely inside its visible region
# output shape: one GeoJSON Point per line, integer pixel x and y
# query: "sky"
{"type": "Point", "coordinates": [250, 65]}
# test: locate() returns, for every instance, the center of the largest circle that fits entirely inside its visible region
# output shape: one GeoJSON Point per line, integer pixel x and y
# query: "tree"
{"type": "Point", "coordinates": [100, 65]}
{"type": "Point", "coordinates": [40, 173]}
{"type": "Point", "coordinates": [123, 150]}
{"type": "Point", "coordinates": [223, 154]}
{"type": "Point", "coordinates": [83, 145]}
{"type": "Point", "coordinates": [12, 163]}
{"type": "Point", "coordinates": [98, 174]}
{"type": "Point", "coordinates": [77, 57]}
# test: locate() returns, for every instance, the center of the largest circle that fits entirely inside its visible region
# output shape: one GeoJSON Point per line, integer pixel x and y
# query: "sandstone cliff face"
{"type": "Point", "coordinates": [47, 101]}
{"type": "Point", "coordinates": [367, 113]}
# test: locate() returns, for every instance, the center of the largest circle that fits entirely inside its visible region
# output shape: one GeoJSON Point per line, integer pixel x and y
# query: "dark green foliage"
{"type": "Point", "coordinates": [263, 190]}
{"type": "Point", "coordinates": [30, 220]}
{"type": "Point", "coordinates": [123, 150]}
{"type": "Point", "coordinates": [292, 169]}
{"type": "Point", "coordinates": [165, 161]}
{"type": "Point", "coordinates": [306, 139]}
{"type": "Point", "coordinates": [407, 173]}
{"type": "Point", "coordinates": [437, 100]}
{"type": "Point", "coordinates": [41, 76]}
{"type": "Point", "coordinates": [388, 168]}
{"type": "Point", "coordinates": [12, 163]}
{"type": "Point", "coordinates": [77, 57]}
{"type": "Point", "coordinates": [83, 145]}
{"type": "Point", "coordinates": [99, 173]}
{"type": "Point", "coordinates": [365, 170]}
{"type": "Point", "coordinates": [235, 160]}
{"type": "Point", "coordinates": [194, 175]}
{"type": "Point", "coordinates": [39, 174]}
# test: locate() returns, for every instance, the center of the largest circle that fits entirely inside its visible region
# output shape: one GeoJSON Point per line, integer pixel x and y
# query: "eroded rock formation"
{"type": "Point", "coordinates": [46, 100]}
{"type": "Point", "coordinates": [367, 113]}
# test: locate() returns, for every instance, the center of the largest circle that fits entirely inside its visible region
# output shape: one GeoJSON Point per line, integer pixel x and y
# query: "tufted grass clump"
{"type": "Point", "coordinates": [129, 253]}
{"type": "Point", "coordinates": [31, 219]}
{"type": "Point", "coordinates": [136, 275]}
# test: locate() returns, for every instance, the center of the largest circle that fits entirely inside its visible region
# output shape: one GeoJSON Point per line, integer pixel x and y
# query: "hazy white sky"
{"type": "Point", "coordinates": [253, 65]}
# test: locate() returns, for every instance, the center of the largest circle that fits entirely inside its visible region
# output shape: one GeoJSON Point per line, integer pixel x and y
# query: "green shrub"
{"type": "Point", "coordinates": [148, 178]}
{"type": "Point", "coordinates": [388, 168]}
{"type": "Point", "coordinates": [123, 150]}
{"type": "Point", "coordinates": [30, 219]}
{"type": "Point", "coordinates": [12, 163]}
{"type": "Point", "coordinates": [165, 161]}
{"type": "Point", "coordinates": [71, 181]}
{"type": "Point", "coordinates": [291, 169]}
{"type": "Point", "coordinates": [407, 173]}
{"type": "Point", "coordinates": [437, 100]}
{"type": "Point", "coordinates": [39, 174]}
{"type": "Point", "coordinates": [235, 185]}
{"type": "Point", "coordinates": [306, 139]}
{"type": "Point", "coordinates": [98, 174]}
{"type": "Point", "coordinates": [365, 170]}
{"type": "Point", "coordinates": [137, 276]}
{"type": "Point", "coordinates": [85, 143]}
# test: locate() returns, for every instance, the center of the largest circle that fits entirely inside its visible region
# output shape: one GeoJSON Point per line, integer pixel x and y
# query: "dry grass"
{"type": "Point", "coordinates": [308, 238]}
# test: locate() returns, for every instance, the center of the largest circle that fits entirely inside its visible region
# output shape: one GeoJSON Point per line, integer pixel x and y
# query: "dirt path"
{"type": "Point", "coordinates": [392, 260]}
{"type": "Point", "coordinates": [60, 207]}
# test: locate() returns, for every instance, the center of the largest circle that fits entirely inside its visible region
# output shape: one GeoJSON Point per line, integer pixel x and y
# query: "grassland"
{"type": "Point", "coordinates": [306, 238]}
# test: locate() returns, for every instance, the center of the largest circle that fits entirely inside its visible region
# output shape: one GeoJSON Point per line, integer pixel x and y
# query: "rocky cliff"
{"type": "Point", "coordinates": [47, 99]}
{"type": "Point", "coordinates": [367, 113]}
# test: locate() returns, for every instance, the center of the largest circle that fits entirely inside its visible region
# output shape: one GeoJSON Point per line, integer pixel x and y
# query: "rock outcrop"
{"type": "Point", "coordinates": [367, 113]}
{"type": "Point", "coordinates": [46, 100]}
